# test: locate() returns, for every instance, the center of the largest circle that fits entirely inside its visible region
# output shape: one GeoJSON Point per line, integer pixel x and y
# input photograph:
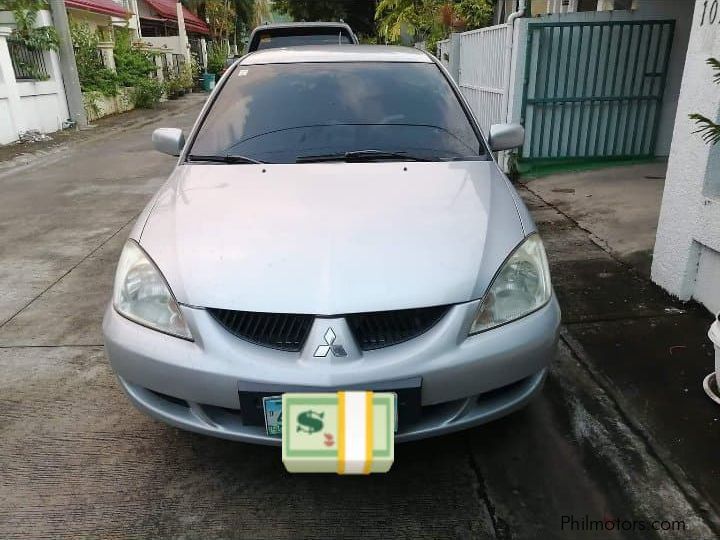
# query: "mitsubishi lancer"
{"type": "Point", "coordinates": [336, 220]}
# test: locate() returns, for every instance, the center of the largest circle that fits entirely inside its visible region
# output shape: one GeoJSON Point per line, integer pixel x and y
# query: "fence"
{"type": "Point", "coordinates": [27, 64]}
{"type": "Point", "coordinates": [483, 73]}
{"type": "Point", "coordinates": [594, 89]}
{"type": "Point", "coordinates": [584, 85]}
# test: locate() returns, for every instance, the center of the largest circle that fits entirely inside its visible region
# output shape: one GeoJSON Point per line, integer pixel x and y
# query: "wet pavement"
{"type": "Point", "coordinates": [649, 350]}
{"type": "Point", "coordinates": [77, 460]}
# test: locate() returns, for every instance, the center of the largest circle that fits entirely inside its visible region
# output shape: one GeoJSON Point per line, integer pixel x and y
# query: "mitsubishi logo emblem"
{"type": "Point", "coordinates": [329, 346]}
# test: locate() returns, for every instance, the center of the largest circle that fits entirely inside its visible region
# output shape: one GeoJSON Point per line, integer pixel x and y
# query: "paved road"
{"type": "Point", "coordinates": [76, 460]}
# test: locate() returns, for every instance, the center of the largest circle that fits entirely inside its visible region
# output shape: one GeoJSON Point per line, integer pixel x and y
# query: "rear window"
{"type": "Point", "coordinates": [278, 113]}
{"type": "Point", "coordinates": [272, 39]}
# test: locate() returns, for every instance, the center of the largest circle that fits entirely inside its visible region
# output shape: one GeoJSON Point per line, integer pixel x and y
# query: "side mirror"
{"type": "Point", "coordinates": [506, 136]}
{"type": "Point", "coordinates": [168, 140]}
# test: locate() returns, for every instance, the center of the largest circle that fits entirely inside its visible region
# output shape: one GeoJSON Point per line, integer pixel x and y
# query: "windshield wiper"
{"type": "Point", "coordinates": [223, 159]}
{"type": "Point", "coordinates": [360, 155]}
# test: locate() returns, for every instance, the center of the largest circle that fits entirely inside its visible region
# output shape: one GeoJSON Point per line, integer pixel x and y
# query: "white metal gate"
{"type": "Point", "coordinates": [483, 64]}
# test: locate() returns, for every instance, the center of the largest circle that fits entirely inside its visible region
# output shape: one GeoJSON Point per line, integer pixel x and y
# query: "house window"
{"type": "Point", "coordinates": [587, 5]}
{"type": "Point", "coordinates": [622, 4]}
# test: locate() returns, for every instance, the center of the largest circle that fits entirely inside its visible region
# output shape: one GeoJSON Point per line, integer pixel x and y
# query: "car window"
{"type": "Point", "coordinates": [272, 40]}
{"type": "Point", "coordinates": [278, 113]}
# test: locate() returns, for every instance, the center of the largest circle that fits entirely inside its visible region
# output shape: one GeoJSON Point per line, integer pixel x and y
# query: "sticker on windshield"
{"type": "Point", "coordinates": [242, 73]}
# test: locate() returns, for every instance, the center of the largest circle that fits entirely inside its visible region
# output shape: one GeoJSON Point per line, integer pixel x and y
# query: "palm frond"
{"type": "Point", "coordinates": [715, 64]}
{"type": "Point", "coordinates": [708, 130]}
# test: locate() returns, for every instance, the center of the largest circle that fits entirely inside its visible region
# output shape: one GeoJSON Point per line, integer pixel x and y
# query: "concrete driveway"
{"type": "Point", "coordinates": [618, 206]}
{"type": "Point", "coordinates": [76, 460]}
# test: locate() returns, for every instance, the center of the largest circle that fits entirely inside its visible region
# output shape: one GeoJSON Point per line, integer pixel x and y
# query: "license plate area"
{"type": "Point", "coordinates": [272, 406]}
{"type": "Point", "coordinates": [252, 398]}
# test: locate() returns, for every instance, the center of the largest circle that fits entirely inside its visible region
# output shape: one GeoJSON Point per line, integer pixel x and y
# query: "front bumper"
{"type": "Point", "coordinates": [466, 381]}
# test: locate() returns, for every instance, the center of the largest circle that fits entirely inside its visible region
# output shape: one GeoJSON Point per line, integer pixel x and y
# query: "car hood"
{"type": "Point", "coordinates": [332, 238]}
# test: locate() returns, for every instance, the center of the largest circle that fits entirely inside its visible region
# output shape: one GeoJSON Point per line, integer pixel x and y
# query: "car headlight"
{"type": "Point", "coordinates": [142, 295]}
{"type": "Point", "coordinates": [520, 287]}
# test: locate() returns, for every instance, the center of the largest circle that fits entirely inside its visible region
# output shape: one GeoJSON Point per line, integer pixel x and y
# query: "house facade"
{"type": "Point", "coordinates": [32, 95]}
{"type": "Point", "coordinates": [534, 8]}
{"type": "Point", "coordinates": [168, 26]}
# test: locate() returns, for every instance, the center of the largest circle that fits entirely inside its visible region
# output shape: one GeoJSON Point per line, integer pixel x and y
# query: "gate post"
{"type": "Point", "coordinates": [454, 67]}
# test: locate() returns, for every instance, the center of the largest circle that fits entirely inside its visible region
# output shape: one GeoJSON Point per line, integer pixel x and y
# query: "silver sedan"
{"type": "Point", "coordinates": [336, 220]}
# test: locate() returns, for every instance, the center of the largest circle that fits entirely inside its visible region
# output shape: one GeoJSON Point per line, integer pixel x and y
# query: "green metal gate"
{"type": "Point", "coordinates": [594, 89]}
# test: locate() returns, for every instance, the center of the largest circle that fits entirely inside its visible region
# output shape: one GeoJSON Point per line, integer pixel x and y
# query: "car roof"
{"type": "Point", "coordinates": [330, 24]}
{"type": "Point", "coordinates": [336, 53]}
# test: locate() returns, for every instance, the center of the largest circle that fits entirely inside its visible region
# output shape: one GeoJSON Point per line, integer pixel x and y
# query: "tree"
{"type": "Point", "coordinates": [709, 130]}
{"type": "Point", "coordinates": [430, 20]}
{"type": "Point", "coordinates": [241, 16]}
{"type": "Point", "coordinates": [474, 13]}
{"type": "Point", "coordinates": [221, 18]}
{"type": "Point", "coordinates": [359, 14]}
{"type": "Point", "coordinates": [249, 14]}
{"type": "Point", "coordinates": [421, 18]}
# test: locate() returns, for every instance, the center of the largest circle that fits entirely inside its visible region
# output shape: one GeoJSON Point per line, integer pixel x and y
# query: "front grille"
{"type": "Point", "coordinates": [284, 331]}
{"type": "Point", "coordinates": [386, 328]}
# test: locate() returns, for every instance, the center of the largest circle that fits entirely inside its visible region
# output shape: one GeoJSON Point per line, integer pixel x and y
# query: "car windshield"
{"type": "Point", "coordinates": [288, 113]}
{"type": "Point", "coordinates": [293, 37]}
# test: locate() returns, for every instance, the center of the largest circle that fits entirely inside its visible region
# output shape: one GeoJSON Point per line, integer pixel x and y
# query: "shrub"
{"type": "Point", "coordinates": [93, 75]}
{"type": "Point", "coordinates": [186, 76]}
{"type": "Point", "coordinates": [133, 65]}
{"type": "Point", "coordinates": [147, 93]}
{"type": "Point", "coordinates": [217, 56]}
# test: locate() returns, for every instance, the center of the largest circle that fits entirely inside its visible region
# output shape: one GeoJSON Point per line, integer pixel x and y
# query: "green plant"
{"type": "Point", "coordinates": [30, 36]}
{"type": "Point", "coordinates": [430, 20]}
{"type": "Point", "coordinates": [217, 56]}
{"type": "Point", "coordinates": [186, 76]}
{"type": "Point", "coordinates": [221, 17]}
{"type": "Point", "coordinates": [93, 75]}
{"type": "Point", "coordinates": [147, 93]}
{"type": "Point", "coordinates": [359, 14]}
{"type": "Point", "coordinates": [173, 84]}
{"type": "Point", "coordinates": [195, 71]}
{"type": "Point", "coordinates": [709, 130]}
{"type": "Point", "coordinates": [474, 13]}
{"type": "Point", "coordinates": [41, 38]}
{"type": "Point", "coordinates": [90, 103]}
{"type": "Point", "coordinates": [132, 64]}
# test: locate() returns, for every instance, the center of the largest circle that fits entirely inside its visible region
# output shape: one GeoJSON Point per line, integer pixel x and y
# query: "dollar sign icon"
{"type": "Point", "coordinates": [310, 421]}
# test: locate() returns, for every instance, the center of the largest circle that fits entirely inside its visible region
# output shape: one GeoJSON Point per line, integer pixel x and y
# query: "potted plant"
{"type": "Point", "coordinates": [179, 85]}
{"type": "Point", "coordinates": [172, 87]}
{"type": "Point", "coordinates": [710, 384]}
{"type": "Point", "coordinates": [186, 78]}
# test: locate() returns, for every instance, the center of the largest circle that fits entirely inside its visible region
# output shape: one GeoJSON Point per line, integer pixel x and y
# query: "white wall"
{"type": "Point", "coordinates": [686, 261]}
{"type": "Point", "coordinates": [43, 105]}
{"type": "Point", "coordinates": [167, 43]}
{"type": "Point", "coordinates": [7, 128]}
{"type": "Point", "coordinates": [29, 105]}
